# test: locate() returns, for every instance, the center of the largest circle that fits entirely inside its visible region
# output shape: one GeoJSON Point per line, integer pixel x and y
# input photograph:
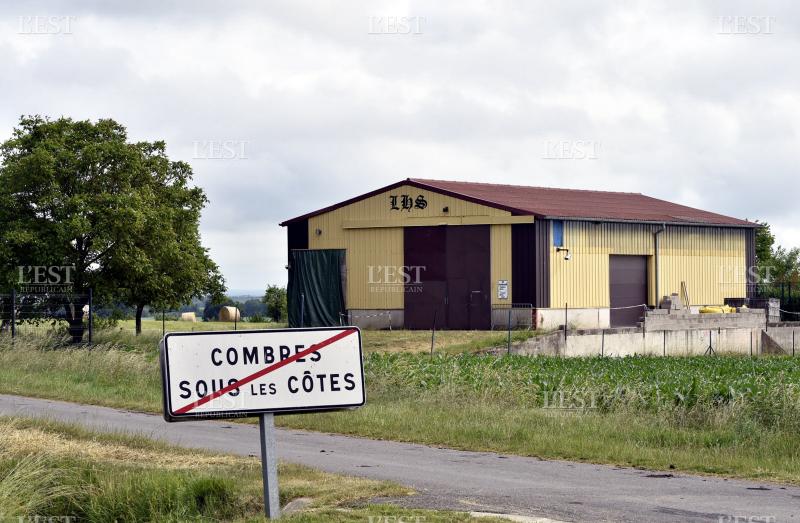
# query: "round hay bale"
{"type": "Point", "coordinates": [188, 316]}
{"type": "Point", "coordinates": [228, 313]}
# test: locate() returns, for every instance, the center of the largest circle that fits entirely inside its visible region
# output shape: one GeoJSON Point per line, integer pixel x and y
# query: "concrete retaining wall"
{"type": "Point", "coordinates": [773, 339]}
{"type": "Point", "coordinates": [628, 342]}
{"type": "Point", "coordinates": [786, 335]}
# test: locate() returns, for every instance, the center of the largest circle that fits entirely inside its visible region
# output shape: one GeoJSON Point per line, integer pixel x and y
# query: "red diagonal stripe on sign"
{"type": "Point", "coordinates": [265, 371]}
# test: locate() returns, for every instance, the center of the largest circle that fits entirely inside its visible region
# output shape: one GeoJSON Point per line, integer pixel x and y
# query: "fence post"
{"type": "Point", "coordinates": [433, 330]}
{"type": "Point", "coordinates": [508, 350]}
{"type": "Point", "coordinates": [91, 314]}
{"type": "Point", "coordinates": [13, 313]}
{"type": "Point", "coordinates": [644, 321]}
{"type": "Point", "coordinates": [603, 342]}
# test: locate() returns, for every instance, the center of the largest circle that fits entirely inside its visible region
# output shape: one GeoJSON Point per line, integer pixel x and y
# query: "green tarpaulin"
{"type": "Point", "coordinates": [316, 292]}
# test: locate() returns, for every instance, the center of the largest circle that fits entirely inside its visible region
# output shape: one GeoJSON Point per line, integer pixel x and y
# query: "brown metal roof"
{"type": "Point", "coordinates": [546, 202]}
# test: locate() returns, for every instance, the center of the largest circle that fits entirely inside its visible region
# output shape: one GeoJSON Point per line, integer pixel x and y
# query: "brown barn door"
{"type": "Point", "coordinates": [468, 274]}
{"type": "Point", "coordinates": [628, 280]}
{"type": "Point", "coordinates": [424, 254]}
{"type": "Point", "coordinates": [454, 268]}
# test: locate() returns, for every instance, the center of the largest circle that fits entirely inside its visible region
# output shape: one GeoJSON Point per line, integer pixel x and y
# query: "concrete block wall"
{"type": "Point", "coordinates": [661, 319]}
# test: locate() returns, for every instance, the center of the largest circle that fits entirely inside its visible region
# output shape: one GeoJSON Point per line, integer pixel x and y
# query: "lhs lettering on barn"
{"type": "Point", "coordinates": [406, 202]}
{"type": "Point", "coordinates": [241, 373]}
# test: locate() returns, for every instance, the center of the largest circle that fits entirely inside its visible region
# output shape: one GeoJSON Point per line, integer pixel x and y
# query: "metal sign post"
{"type": "Point", "coordinates": [213, 375]}
{"type": "Point", "coordinates": [269, 465]}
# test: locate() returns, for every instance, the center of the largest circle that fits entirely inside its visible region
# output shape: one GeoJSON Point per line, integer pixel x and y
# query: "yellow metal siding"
{"type": "Point", "coordinates": [711, 260]}
{"type": "Point", "coordinates": [500, 260]}
{"type": "Point", "coordinates": [383, 246]}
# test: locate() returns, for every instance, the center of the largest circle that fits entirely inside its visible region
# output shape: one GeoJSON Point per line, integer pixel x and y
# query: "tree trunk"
{"type": "Point", "coordinates": [73, 313]}
{"type": "Point", "coordinates": [139, 310]}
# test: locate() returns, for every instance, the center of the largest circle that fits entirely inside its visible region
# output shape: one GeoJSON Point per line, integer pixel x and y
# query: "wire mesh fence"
{"type": "Point", "coordinates": [47, 315]}
{"type": "Point", "coordinates": [516, 316]}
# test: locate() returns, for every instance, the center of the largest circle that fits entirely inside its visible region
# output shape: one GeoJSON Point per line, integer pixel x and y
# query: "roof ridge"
{"type": "Point", "coordinates": [583, 204]}
{"type": "Point", "coordinates": [428, 180]}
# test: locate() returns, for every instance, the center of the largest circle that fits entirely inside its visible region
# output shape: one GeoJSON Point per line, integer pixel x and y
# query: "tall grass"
{"type": "Point", "coordinates": [30, 486]}
{"type": "Point", "coordinates": [51, 471]}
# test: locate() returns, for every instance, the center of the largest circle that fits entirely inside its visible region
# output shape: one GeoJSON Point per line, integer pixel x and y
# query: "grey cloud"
{"type": "Point", "coordinates": [329, 111]}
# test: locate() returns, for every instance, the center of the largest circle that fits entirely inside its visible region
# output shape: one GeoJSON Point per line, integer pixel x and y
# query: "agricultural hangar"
{"type": "Point", "coordinates": [462, 254]}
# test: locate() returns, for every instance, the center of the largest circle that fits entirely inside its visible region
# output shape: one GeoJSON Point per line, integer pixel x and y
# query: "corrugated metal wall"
{"type": "Point", "coordinates": [383, 246]}
{"type": "Point", "coordinates": [711, 260]}
{"type": "Point", "coordinates": [501, 260]}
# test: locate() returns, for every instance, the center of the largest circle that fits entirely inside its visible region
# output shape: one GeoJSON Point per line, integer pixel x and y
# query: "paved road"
{"type": "Point", "coordinates": [469, 481]}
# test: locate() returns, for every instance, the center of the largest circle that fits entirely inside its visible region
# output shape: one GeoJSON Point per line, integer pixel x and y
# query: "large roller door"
{"type": "Point", "coordinates": [628, 280]}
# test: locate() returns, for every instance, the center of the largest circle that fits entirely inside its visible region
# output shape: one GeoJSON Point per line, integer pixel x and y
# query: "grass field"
{"type": "Point", "coordinates": [732, 416]}
{"type": "Point", "coordinates": [51, 470]}
{"type": "Point", "coordinates": [154, 325]}
{"type": "Point", "coordinates": [373, 340]}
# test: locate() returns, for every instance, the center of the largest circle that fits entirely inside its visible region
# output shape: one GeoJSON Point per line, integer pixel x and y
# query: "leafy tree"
{"type": "Point", "coordinates": [214, 303]}
{"type": "Point", "coordinates": [166, 265]}
{"type": "Point", "coordinates": [275, 298]}
{"type": "Point", "coordinates": [211, 311]}
{"type": "Point", "coordinates": [764, 242]}
{"type": "Point", "coordinates": [77, 193]}
{"type": "Point", "coordinates": [775, 263]}
{"type": "Point", "coordinates": [253, 307]}
{"type": "Point", "coordinates": [785, 265]}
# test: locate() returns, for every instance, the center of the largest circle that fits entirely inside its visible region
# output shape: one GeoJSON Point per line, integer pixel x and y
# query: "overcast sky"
{"type": "Point", "coordinates": [310, 103]}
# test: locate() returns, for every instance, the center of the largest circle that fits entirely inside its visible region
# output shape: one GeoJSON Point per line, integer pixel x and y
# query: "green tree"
{"type": "Point", "coordinates": [254, 307]}
{"type": "Point", "coordinates": [785, 265]}
{"type": "Point", "coordinates": [765, 240]}
{"type": "Point", "coordinates": [275, 298]}
{"type": "Point", "coordinates": [776, 264]}
{"type": "Point", "coordinates": [165, 265]}
{"type": "Point", "coordinates": [214, 303]}
{"type": "Point", "coordinates": [77, 193]}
